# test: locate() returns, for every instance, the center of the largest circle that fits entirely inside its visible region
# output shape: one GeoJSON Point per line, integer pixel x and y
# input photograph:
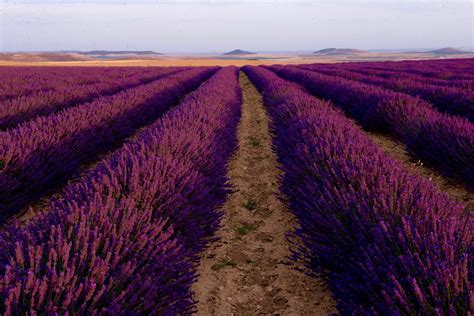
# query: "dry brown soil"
{"type": "Point", "coordinates": [247, 272]}
{"type": "Point", "coordinates": [398, 150]}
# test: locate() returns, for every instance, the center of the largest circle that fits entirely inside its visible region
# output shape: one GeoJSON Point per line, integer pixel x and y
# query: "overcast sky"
{"type": "Point", "coordinates": [222, 25]}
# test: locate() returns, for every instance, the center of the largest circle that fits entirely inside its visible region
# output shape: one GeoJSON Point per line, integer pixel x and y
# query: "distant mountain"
{"type": "Point", "coordinates": [66, 52]}
{"type": "Point", "coordinates": [239, 52]}
{"type": "Point", "coordinates": [42, 57]}
{"type": "Point", "coordinates": [120, 52]}
{"type": "Point", "coordinates": [338, 51]}
{"type": "Point", "coordinates": [448, 50]}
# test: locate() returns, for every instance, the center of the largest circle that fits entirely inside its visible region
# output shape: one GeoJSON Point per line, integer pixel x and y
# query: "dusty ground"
{"type": "Point", "coordinates": [8, 59]}
{"type": "Point", "coordinates": [398, 151]}
{"type": "Point", "coordinates": [184, 62]}
{"type": "Point", "coordinates": [248, 272]}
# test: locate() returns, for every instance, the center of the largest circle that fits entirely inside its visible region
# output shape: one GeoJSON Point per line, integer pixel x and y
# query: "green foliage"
{"type": "Point", "coordinates": [251, 205]}
{"type": "Point", "coordinates": [245, 229]}
{"type": "Point", "coordinates": [254, 141]}
{"type": "Point", "coordinates": [223, 264]}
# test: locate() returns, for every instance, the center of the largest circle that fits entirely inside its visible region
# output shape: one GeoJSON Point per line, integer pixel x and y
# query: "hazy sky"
{"type": "Point", "coordinates": [221, 25]}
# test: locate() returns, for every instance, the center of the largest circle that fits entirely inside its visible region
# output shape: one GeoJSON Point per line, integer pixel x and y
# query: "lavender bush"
{"type": "Point", "coordinates": [452, 69]}
{"type": "Point", "coordinates": [444, 141]}
{"type": "Point", "coordinates": [389, 241]}
{"type": "Point", "coordinates": [121, 240]}
{"type": "Point", "coordinates": [456, 100]}
{"type": "Point", "coordinates": [67, 94]}
{"type": "Point", "coordinates": [43, 153]}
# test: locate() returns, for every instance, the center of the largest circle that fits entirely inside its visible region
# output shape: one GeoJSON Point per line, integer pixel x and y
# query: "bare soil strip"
{"type": "Point", "coordinates": [247, 272]}
{"type": "Point", "coordinates": [399, 151]}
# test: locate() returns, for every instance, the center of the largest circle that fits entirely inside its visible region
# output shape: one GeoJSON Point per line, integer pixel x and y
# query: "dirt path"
{"type": "Point", "coordinates": [399, 151]}
{"type": "Point", "coordinates": [248, 272]}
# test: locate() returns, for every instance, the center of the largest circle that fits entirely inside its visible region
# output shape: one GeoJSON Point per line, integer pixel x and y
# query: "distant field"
{"type": "Point", "coordinates": [211, 60]}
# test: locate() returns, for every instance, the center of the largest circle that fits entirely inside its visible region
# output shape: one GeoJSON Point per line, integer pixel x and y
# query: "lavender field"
{"type": "Point", "coordinates": [115, 185]}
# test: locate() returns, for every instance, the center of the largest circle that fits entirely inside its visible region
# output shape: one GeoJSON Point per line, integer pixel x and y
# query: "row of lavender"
{"type": "Point", "coordinates": [40, 155]}
{"type": "Point", "coordinates": [448, 69]}
{"type": "Point", "coordinates": [23, 81]}
{"type": "Point", "coordinates": [67, 94]}
{"type": "Point", "coordinates": [456, 100]}
{"type": "Point", "coordinates": [122, 239]}
{"type": "Point", "coordinates": [444, 141]}
{"type": "Point", "coordinates": [405, 75]}
{"type": "Point", "coordinates": [390, 242]}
